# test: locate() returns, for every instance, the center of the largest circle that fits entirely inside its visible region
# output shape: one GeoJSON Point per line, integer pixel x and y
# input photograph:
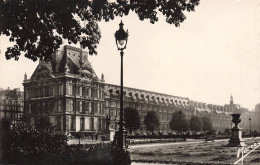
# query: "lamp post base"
{"type": "Point", "coordinates": [120, 140]}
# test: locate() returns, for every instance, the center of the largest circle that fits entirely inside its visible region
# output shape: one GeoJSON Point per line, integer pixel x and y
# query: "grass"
{"type": "Point", "coordinates": [199, 153]}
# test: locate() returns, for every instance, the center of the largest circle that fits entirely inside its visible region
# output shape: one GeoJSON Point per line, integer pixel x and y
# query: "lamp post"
{"type": "Point", "coordinates": [121, 41]}
{"type": "Point", "coordinates": [180, 113]}
{"type": "Point", "coordinates": [250, 125]}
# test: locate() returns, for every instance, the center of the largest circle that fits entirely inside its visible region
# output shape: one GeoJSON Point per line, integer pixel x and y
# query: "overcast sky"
{"type": "Point", "coordinates": [213, 54]}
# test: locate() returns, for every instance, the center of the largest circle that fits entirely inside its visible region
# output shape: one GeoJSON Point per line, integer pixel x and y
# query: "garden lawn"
{"type": "Point", "coordinates": [199, 153]}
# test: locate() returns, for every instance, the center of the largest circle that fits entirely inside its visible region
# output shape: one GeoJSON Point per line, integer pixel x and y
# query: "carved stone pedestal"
{"type": "Point", "coordinates": [236, 136]}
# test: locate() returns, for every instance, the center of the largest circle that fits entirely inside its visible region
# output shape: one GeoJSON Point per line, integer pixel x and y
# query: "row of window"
{"type": "Point", "coordinates": [11, 103]}
{"type": "Point", "coordinates": [144, 107]}
{"type": "Point", "coordinates": [82, 123]}
{"type": "Point", "coordinates": [46, 107]}
{"type": "Point", "coordinates": [10, 115]}
{"type": "Point", "coordinates": [11, 108]}
{"type": "Point", "coordinates": [87, 124]}
{"type": "Point", "coordinates": [59, 90]}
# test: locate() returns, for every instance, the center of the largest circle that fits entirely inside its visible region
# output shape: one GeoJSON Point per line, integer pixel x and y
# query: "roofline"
{"type": "Point", "coordinates": [148, 91]}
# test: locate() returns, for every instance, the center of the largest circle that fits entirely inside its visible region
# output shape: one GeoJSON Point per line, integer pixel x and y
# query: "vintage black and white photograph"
{"type": "Point", "coordinates": [130, 82]}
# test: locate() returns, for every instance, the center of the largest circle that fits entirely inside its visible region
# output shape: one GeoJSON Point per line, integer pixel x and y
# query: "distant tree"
{"type": "Point", "coordinates": [39, 27]}
{"type": "Point", "coordinates": [196, 124]}
{"type": "Point", "coordinates": [132, 119]}
{"type": "Point", "coordinates": [175, 122]}
{"type": "Point", "coordinates": [151, 121]}
{"type": "Point", "coordinates": [26, 142]}
{"type": "Point", "coordinates": [207, 124]}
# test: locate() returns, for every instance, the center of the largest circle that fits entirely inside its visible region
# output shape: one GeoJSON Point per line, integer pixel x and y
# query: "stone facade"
{"type": "Point", "coordinates": [221, 115]}
{"type": "Point", "coordinates": [69, 92]}
{"type": "Point", "coordinates": [11, 104]}
{"type": "Point", "coordinates": [145, 101]}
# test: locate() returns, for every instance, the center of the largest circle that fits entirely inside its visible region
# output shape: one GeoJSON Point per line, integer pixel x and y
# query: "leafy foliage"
{"type": "Point", "coordinates": [132, 119]}
{"type": "Point", "coordinates": [175, 122]}
{"type": "Point", "coordinates": [151, 121]}
{"type": "Point", "coordinates": [196, 123]}
{"type": "Point", "coordinates": [25, 143]}
{"type": "Point", "coordinates": [207, 124]}
{"type": "Point", "coordinates": [38, 28]}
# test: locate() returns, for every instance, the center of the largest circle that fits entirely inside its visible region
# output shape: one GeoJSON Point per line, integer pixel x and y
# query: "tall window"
{"type": "Point", "coordinates": [98, 109]}
{"type": "Point", "coordinates": [30, 108]}
{"type": "Point", "coordinates": [98, 93]}
{"type": "Point", "coordinates": [82, 124]}
{"type": "Point", "coordinates": [58, 123]}
{"type": "Point", "coordinates": [91, 123]}
{"type": "Point", "coordinates": [73, 124]}
{"type": "Point", "coordinates": [90, 107]}
{"type": "Point", "coordinates": [59, 105]}
{"type": "Point", "coordinates": [83, 92]}
{"type": "Point", "coordinates": [89, 92]}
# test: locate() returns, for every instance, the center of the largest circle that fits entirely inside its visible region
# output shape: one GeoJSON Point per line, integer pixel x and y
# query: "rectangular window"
{"type": "Point", "coordinates": [73, 124]}
{"type": "Point", "coordinates": [98, 108]}
{"type": "Point", "coordinates": [83, 92]}
{"type": "Point", "coordinates": [89, 92]}
{"type": "Point", "coordinates": [90, 107]}
{"type": "Point", "coordinates": [98, 95]}
{"type": "Point", "coordinates": [82, 124]}
{"type": "Point", "coordinates": [93, 107]}
{"type": "Point", "coordinates": [59, 105]}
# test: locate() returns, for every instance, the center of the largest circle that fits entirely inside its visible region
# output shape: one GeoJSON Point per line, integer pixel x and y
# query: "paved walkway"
{"type": "Point", "coordinates": [173, 143]}
{"type": "Point", "coordinates": [134, 163]}
{"type": "Point", "coordinates": [189, 141]}
{"type": "Point", "coordinates": [85, 141]}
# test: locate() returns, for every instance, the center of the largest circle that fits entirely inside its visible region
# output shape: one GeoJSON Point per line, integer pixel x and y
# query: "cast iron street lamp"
{"type": "Point", "coordinates": [121, 41]}
{"type": "Point", "coordinates": [180, 113]}
{"type": "Point", "coordinates": [250, 124]}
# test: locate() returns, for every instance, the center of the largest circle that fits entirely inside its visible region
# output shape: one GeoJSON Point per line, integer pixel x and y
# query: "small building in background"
{"type": "Point", "coordinates": [11, 104]}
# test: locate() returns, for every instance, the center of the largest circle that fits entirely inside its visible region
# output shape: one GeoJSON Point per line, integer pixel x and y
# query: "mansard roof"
{"type": "Point", "coordinates": [148, 96]}
{"type": "Point", "coordinates": [69, 60]}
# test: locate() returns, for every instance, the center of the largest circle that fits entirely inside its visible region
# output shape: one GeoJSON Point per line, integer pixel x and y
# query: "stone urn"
{"type": "Point", "coordinates": [236, 119]}
{"type": "Point", "coordinates": [236, 137]}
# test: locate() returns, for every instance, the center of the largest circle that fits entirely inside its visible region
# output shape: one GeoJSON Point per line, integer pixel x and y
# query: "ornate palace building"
{"type": "Point", "coordinates": [68, 91]}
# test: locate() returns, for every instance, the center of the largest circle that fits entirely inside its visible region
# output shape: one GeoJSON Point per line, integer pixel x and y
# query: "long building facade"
{"type": "Point", "coordinates": [68, 91]}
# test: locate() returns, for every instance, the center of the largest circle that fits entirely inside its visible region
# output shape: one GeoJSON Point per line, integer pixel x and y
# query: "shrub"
{"type": "Point", "coordinates": [40, 144]}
